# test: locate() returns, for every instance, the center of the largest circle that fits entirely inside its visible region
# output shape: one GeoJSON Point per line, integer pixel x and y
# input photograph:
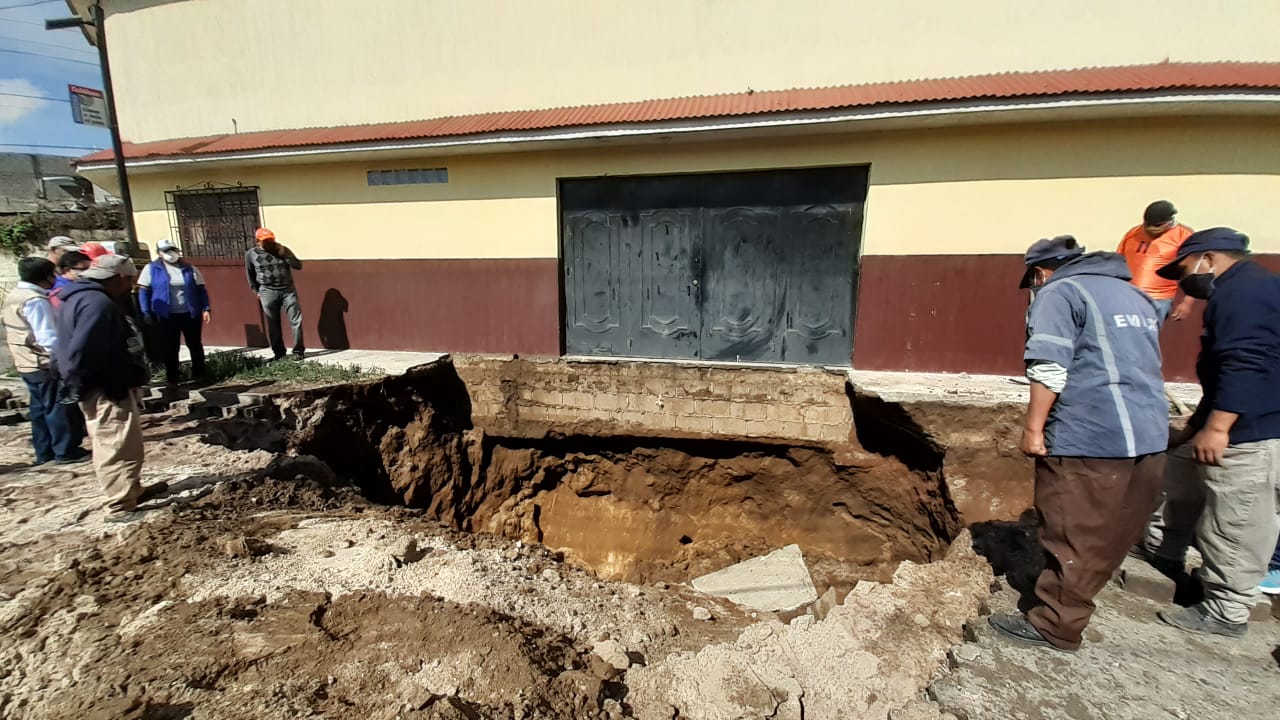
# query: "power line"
{"type": "Point", "coordinates": [35, 97]}
{"type": "Point", "coordinates": [28, 4]}
{"type": "Point", "coordinates": [52, 45]}
{"type": "Point", "coordinates": [23, 22]}
{"type": "Point", "coordinates": [52, 57]}
{"type": "Point", "coordinates": [49, 147]}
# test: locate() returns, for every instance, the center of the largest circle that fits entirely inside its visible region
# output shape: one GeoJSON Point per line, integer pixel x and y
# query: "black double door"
{"type": "Point", "coordinates": [746, 267]}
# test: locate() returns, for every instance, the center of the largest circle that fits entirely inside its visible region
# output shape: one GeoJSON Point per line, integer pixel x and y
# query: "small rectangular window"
{"type": "Point", "coordinates": [417, 176]}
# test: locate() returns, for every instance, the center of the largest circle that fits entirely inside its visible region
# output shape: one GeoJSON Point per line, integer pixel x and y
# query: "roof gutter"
{"type": "Point", "coordinates": [974, 110]}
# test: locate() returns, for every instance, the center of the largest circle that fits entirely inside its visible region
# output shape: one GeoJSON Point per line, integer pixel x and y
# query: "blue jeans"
{"type": "Point", "coordinates": [1163, 308]}
{"type": "Point", "coordinates": [51, 433]}
{"type": "Point", "coordinates": [1275, 559]}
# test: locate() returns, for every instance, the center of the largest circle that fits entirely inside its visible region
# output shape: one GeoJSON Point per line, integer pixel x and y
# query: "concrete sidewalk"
{"type": "Point", "coordinates": [957, 388]}
{"type": "Point", "coordinates": [393, 362]}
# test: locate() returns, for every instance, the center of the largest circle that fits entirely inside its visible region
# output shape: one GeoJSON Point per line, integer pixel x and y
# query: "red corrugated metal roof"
{"type": "Point", "coordinates": [1139, 78]}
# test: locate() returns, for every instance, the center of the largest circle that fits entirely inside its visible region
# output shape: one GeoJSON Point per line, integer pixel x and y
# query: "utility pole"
{"type": "Point", "coordinates": [98, 22]}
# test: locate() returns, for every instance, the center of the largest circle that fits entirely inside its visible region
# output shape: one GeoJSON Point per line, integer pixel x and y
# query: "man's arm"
{"type": "Point", "coordinates": [1240, 344]}
{"type": "Point", "coordinates": [39, 315]}
{"type": "Point", "coordinates": [1042, 400]}
{"type": "Point", "coordinates": [287, 255]}
{"type": "Point", "coordinates": [96, 337]}
{"type": "Point", "coordinates": [250, 271]}
{"type": "Point", "coordinates": [1183, 308]}
{"type": "Point", "coordinates": [1049, 354]}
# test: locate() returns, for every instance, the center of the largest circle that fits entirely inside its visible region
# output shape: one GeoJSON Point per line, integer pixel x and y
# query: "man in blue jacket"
{"type": "Point", "coordinates": [1223, 474]}
{"type": "Point", "coordinates": [103, 365]}
{"type": "Point", "coordinates": [1097, 425]}
{"type": "Point", "coordinates": [174, 300]}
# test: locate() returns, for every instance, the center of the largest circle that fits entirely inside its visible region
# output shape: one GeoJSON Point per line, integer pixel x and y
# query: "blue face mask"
{"type": "Point", "coordinates": [1197, 284]}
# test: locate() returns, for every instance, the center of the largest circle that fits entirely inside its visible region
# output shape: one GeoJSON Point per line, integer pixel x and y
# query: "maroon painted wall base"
{"type": "Point", "coordinates": [965, 313]}
{"type": "Point", "coordinates": [507, 306]}
{"type": "Point", "coordinates": [928, 313]}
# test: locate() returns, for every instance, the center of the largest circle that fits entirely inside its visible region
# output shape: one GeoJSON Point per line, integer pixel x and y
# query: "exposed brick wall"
{"type": "Point", "coordinates": [523, 397]}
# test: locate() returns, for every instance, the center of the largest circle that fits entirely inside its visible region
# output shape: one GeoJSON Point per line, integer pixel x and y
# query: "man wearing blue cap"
{"type": "Point", "coordinates": [1097, 425]}
{"type": "Point", "coordinates": [1223, 473]}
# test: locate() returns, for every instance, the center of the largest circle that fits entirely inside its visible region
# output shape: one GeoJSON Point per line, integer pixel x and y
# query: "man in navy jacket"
{"type": "Point", "coordinates": [1223, 473]}
{"type": "Point", "coordinates": [103, 365]}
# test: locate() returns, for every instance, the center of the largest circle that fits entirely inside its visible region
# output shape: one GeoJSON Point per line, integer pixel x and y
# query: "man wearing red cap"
{"type": "Point", "coordinates": [270, 267]}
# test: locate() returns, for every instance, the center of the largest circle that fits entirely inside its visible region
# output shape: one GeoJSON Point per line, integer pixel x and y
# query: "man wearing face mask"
{"type": "Point", "coordinates": [1223, 473]}
{"type": "Point", "coordinates": [1097, 425]}
{"type": "Point", "coordinates": [1149, 247]}
{"type": "Point", "coordinates": [175, 302]}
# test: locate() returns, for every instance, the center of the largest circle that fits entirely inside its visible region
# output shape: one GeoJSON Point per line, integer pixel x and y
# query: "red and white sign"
{"type": "Point", "coordinates": [88, 106]}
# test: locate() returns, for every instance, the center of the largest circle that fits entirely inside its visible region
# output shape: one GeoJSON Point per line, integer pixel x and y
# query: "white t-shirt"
{"type": "Point", "coordinates": [177, 286]}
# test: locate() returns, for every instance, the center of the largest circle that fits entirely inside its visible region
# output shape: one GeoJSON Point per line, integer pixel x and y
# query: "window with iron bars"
{"type": "Point", "coordinates": [213, 221]}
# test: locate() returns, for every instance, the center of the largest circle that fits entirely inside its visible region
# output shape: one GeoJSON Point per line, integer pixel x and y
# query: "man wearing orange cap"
{"type": "Point", "coordinates": [270, 267]}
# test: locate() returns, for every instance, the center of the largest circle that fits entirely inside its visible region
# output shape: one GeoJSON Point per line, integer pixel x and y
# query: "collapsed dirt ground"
{"type": "Point", "coordinates": [273, 584]}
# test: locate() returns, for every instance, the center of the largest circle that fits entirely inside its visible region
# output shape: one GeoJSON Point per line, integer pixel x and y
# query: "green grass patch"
{"type": "Point", "coordinates": [236, 366]}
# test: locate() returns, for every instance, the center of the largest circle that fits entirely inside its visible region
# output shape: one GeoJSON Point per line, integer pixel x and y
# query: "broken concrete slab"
{"type": "Point", "coordinates": [776, 582]}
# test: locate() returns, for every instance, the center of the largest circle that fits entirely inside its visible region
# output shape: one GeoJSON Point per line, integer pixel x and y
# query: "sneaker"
{"type": "Point", "coordinates": [299, 356]}
{"type": "Point", "coordinates": [1018, 629]}
{"type": "Point", "coordinates": [1196, 619]}
{"type": "Point", "coordinates": [1270, 584]}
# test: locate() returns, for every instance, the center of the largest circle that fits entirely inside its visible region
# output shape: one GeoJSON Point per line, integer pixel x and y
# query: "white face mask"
{"type": "Point", "coordinates": [171, 256]}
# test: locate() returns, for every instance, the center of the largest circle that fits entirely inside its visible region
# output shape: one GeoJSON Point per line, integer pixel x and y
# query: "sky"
{"type": "Point", "coordinates": [44, 63]}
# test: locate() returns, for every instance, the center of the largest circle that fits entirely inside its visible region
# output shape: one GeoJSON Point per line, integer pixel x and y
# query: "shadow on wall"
{"type": "Point", "coordinates": [333, 321]}
{"type": "Point", "coordinates": [255, 337]}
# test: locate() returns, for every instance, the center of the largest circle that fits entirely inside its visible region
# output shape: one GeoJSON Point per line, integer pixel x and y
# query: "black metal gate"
{"type": "Point", "coordinates": [214, 220]}
{"type": "Point", "coordinates": [749, 267]}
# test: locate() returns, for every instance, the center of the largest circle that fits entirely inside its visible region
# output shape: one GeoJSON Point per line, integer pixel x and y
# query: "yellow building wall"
{"type": "Point", "coordinates": [201, 67]}
{"type": "Point", "coordinates": [990, 190]}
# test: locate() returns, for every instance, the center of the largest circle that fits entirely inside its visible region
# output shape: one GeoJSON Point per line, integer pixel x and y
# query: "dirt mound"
{"type": "Point", "coordinates": [105, 633]}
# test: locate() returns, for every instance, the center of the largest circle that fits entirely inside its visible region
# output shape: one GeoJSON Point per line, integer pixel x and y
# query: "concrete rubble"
{"type": "Point", "coordinates": [777, 582]}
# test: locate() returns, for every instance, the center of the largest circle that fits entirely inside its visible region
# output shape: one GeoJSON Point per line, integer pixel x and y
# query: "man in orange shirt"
{"type": "Point", "coordinates": [1149, 247]}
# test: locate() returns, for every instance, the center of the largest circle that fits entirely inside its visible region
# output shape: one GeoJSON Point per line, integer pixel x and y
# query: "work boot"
{"type": "Point", "coordinates": [1018, 629]}
{"type": "Point", "coordinates": [1196, 619]}
{"type": "Point", "coordinates": [153, 491]}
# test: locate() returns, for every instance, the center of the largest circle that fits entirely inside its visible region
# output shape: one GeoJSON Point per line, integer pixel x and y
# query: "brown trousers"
{"type": "Point", "coordinates": [1093, 510]}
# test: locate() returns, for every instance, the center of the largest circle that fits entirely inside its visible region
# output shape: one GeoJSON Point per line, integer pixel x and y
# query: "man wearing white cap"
{"type": "Point", "coordinates": [103, 365]}
{"type": "Point", "coordinates": [59, 244]}
{"type": "Point", "coordinates": [174, 301]}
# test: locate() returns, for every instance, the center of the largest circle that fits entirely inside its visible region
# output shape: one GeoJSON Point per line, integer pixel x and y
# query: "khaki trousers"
{"type": "Point", "coordinates": [1093, 510]}
{"type": "Point", "coordinates": [116, 431]}
{"type": "Point", "coordinates": [1229, 512]}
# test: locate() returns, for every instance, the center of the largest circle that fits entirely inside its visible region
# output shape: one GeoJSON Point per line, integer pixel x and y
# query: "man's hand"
{"type": "Point", "coordinates": [149, 319]}
{"type": "Point", "coordinates": [1209, 444]}
{"type": "Point", "coordinates": [208, 317]}
{"type": "Point", "coordinates": [1032, 444]}
{"type": "Point", "coordinates": [1182, 310]}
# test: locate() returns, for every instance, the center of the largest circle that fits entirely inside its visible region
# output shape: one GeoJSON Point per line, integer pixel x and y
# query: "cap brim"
{"type": "Point", "coordinates": [1172, 271]}
{"type": "Point", "coordinates": [97, 274]}
{"type": "Point", "coordinates": [1026, 278]}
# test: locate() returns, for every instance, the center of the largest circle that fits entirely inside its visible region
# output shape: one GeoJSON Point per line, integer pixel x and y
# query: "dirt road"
{"type": "Point", "coordinates": [265, 587]}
